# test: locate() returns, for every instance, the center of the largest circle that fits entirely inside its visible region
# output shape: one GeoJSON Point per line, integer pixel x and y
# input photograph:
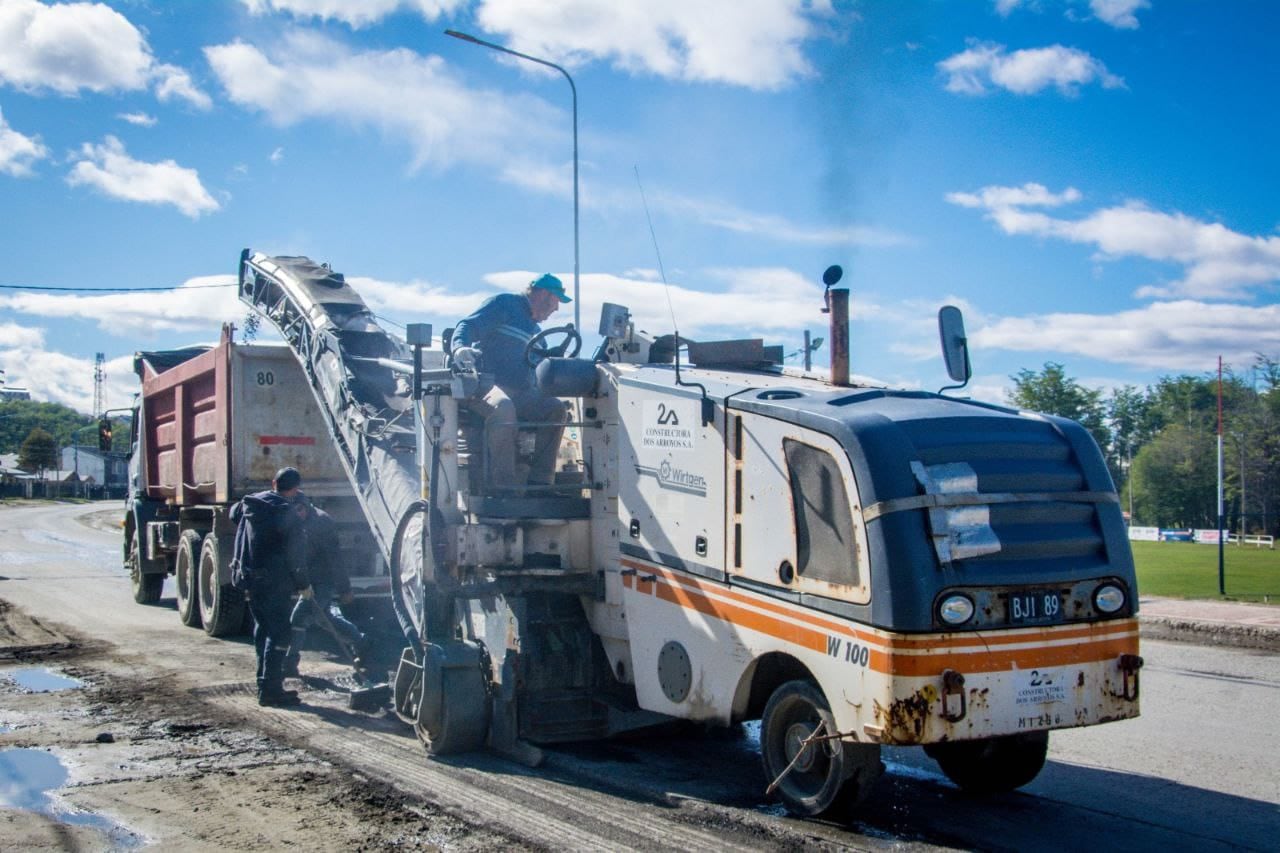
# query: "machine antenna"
{"type": "Point", "coordinates": [661, 271]}
{"type": "Point", "coordinates": [708, 408]}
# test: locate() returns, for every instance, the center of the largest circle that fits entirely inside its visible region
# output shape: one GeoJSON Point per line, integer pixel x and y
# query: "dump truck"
{"type": "Point", "coordinates": [210, 425]}
{"type": "Point", "coordinates": [732, 540]}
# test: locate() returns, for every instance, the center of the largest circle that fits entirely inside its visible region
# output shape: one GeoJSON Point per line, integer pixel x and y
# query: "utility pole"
{"type": "Point", "coordinates": [1222, 574]}
{"type": "Point", "coordinates": [99, 393]}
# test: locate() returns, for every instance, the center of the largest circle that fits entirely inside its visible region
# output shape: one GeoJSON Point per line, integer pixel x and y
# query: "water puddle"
{"type": "Point", "coordinates": [40, 679]}
{"type": "Point", "coordinates": [27, 778]}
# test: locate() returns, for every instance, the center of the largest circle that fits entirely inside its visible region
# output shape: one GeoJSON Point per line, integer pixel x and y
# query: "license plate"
{"type": "Point", "coordinates": [1039, 606]}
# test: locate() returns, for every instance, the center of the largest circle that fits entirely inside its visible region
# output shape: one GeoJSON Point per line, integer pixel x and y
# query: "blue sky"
{"type": "Point", "coordinates": [1093, 181]}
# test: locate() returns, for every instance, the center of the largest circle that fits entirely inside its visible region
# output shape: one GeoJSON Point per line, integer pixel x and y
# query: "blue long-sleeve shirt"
{"type": "Point", "coordinates": [500, 329]}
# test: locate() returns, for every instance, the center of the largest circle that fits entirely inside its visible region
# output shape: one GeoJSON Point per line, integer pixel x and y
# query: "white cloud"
{"type": "Point", "coordinates": [741, 221]}
{"type": "Point", "coordinates": [428, 300]}
{"type": "Point", "coordinates": [1183, 335]}
{"type": "Point", "coordinates": [111, 170]}
{"type": "Point", "coordinates": [193, 306]}
{"type": "Point", "coordinates": [1217, 262]}
{"type": "Point", "coordinates": [276, 156]}
{"type": "Point", "coordinates": [1024, 72]}
{"type": "Point", "coordinates": [1118, 13]}
{"type": "Point", "coordinates": [57, 377]}
{"type": "Point", "coordinates": [18, 152]}
{"type": "Point", "coordinates": [354, 13]}
{"type": "Point", "coordinates": [13, 336]}
{"type": "Point", "coordinates": [139, 119]}
{"type": "Point", "coordinates": [69, 47]}
{"type": "Point", "coordinates": [749, 302]}
{"type": "Point", "coordinates": [405, 96]}
{"type": "Point", "coordinates": [754, 44]}
{"type": "Point", "coordinates": [1026, 195]}
{"type": "Point", "coordinates": [173, 82]}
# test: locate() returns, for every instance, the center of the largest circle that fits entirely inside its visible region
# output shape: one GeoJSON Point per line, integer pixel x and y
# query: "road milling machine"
{"type": "Point", "coordinates": [728, 540]}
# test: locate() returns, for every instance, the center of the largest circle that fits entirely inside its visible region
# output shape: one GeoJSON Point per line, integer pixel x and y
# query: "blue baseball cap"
{"type": "Point", "coordinates": [547, 281]}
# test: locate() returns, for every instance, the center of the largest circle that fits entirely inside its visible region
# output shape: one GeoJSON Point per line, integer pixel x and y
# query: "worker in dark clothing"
{"type": "Point", "coordinates": [329, 581]}
{"type": "Point", "coordinates": [495, 337]}
{"type": "Point", "coordinates": [272, 550]}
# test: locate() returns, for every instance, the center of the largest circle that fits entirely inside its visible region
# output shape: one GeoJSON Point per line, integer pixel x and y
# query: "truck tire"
{"type": "Point", "coordinates": [831, 776]}
{"type": "Point", "coordinates": [992, 765]}
{"type": "Point", "coordinates": [221, 605]}
{"type": "Point", "coordinates": [186, 577]}
{"type": "Point", "coordinates": [146, 588]}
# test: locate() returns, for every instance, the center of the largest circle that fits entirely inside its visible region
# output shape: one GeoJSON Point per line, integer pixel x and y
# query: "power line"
{"type": "Point", "coordinates": [110, 289]}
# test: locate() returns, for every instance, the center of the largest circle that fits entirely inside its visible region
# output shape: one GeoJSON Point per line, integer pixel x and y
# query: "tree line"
{"type": "Point", "coordinates": [38, 431]}
{"type": "Point", "coordinates": [1161, 445]}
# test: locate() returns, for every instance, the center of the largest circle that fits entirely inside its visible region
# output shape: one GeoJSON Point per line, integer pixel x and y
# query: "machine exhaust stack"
{"type": "Point", "coordinates": [838, 307]}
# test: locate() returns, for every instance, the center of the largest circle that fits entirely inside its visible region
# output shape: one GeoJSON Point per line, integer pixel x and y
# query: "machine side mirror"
{"type": "Point", "coordinates": [955, 345]}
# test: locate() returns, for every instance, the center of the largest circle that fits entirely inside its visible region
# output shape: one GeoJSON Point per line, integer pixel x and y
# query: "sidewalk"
{"type": "Point", "coordinates": [1220, 623]}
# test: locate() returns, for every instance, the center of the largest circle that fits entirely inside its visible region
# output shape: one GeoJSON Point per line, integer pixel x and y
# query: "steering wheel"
{"type": "Point", "coordinates": [537, 349]}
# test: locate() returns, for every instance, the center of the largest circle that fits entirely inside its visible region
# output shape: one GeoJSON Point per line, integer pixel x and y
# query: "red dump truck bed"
{"type": "Point", "coordinates": [219, 425]}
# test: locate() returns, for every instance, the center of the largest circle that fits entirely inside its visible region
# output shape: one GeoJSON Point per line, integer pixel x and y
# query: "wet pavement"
{"type": "Point", "coordinates": [29, 780]}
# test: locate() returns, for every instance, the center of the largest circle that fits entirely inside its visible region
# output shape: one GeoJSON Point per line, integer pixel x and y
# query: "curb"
{"type": "Point", "coordinates": [1210, 633]}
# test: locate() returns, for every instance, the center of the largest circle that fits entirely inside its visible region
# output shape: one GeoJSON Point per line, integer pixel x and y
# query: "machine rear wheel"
{"type": "Point", "coordinates": [993, 765]}
{"type": "Point", "coordinates": [186, 578]}
{"type": "Point", "coordinates": [146, 588]}
{"type": "Point", "coordinates": [221, 605]}
{"type": "Point", "coordinates": [831, 776]}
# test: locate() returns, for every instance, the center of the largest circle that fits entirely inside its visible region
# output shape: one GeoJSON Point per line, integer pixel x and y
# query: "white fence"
{"type": "Point", "coordinates": [1204, 537]}
{"type": "Point", "coordinates": [1256, 541]}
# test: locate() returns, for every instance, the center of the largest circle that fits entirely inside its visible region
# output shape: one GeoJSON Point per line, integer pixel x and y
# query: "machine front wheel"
{"type": "Point", "coordinates": [829, 777]}
{"type": "Point", "coordinates": [186, 578]}
{"type": "Point", "coordinates": [463, 705]}
{"type": "Point", "coordinates": [993, 765]}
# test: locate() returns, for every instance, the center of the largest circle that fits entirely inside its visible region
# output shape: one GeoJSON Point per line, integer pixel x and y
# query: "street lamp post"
{"type": "Point", "coordinates": [577, 310]}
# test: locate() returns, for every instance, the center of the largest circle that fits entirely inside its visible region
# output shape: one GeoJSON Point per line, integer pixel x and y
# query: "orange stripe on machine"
{"type": "Point", "coordinates": [969, 652]}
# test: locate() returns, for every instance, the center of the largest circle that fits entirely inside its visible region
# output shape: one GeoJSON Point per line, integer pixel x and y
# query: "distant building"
{"type": "Point", "coordinates": [10, 392]}
{"type": "Point", "coordinates": [90, 465]}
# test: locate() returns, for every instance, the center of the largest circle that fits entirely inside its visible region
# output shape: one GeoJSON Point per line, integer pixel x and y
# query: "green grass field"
{"type": "Point", "coordinates": [1190, 570]}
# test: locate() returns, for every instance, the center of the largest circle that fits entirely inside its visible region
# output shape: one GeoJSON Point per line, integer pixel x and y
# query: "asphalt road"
{"type": "Point", "coordinates": [1199, 770]}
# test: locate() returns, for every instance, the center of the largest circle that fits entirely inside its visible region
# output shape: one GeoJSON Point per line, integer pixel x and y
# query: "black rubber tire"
{"type": "Point", "coordinates": [186, 577]}
{"type": "Point", "coordinates": [146, 588]}
{"type": "Point", "coordinates": [464, 718]}
{"type": "Point", "coordinates": [835, 776]}
{"type": "Point", "coordinates": [993, 765]}
{"type": "Point", "coordinates": [221, 605]}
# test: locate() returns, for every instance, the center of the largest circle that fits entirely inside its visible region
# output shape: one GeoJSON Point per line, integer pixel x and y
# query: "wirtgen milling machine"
{"type": "Point", "coordinates": [729, 541]}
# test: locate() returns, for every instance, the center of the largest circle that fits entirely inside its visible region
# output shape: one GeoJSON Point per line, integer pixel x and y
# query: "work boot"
{"type": "Point", "coordinates": [278, 698]}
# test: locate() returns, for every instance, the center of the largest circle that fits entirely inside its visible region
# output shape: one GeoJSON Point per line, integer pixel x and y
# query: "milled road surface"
{"type": "Point", "coordinates": [1200, 770]}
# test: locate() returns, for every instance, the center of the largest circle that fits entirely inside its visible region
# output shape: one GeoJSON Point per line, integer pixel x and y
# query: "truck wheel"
{"type": "Point", "coordinates": [146, 588]}
{"type": "Point", "coordinates": [831, 776]}
{"type": "Point", "coordinates": [993, 765]}
{"type": "Point", "coordinates": [221, 605]}
{"type": "Point", "coordinates": [186, 578]}
{"type": "Point", "coordinates": [464, 713]}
